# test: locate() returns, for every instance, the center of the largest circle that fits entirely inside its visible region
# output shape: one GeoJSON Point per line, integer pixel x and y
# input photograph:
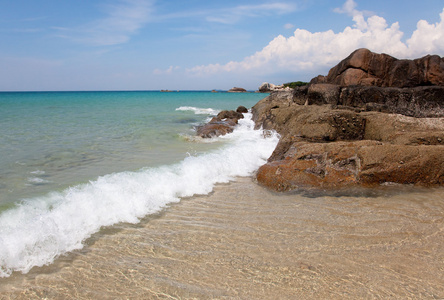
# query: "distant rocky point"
{"type": "Point", "coordinates": [237, 90]}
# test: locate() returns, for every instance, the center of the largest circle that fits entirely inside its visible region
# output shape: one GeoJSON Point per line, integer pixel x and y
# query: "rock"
{"type": "Point", "coordinates": [265, 87]}
{"type": "Point", "coordinates": [223, 123]}
{"type": "Point", "coordinates": [237, 90]}
{"type": "Point", "coordinates": [242, 109]}
{"type": "Point", "coordinates": [313, 123]}
{"type": "Point", "coordinates": [329, 148]}
{"type": "Point", "coordinates": [230, 114]}
{"type": "Point", "coordinates": [372, 120]}
{"type": "Point", "coordinates": [320, 165]}
{"type": "Point", "coordinates": [363, 67]}
{"type": "Point", "coordinates": [269, 87]}
{"type": "Point", "coordinates": [215, 128]}
{"type": "Point", "coordinates": [421, 101]}
{"type": "Point", "coordinates": [403, 130]}
{"type": "Point", "coordinates": [345, 164]}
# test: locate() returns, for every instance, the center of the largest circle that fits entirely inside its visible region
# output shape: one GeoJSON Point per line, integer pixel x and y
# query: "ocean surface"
{"type": "Point", "coordinates": [110, 195]}
{"type": "Point", "coordinates": [74, 162]}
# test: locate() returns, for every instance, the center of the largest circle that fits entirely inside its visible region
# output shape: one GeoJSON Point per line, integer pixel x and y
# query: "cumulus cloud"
{"type": "Point", "coordinates": [307, 50]}
{"type": "Point", "coordinates": [427, 38]}
{"type": "Point", "coordinates": [122, 19]}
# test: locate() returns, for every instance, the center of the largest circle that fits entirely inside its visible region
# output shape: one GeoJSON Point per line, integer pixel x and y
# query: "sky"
{"type": "Point", "coordinates": [70, 45]}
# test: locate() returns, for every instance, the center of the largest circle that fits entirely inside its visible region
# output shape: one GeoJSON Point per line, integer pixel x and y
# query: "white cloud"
{"type": "Point", "coordinates": [427, 38]}
{"type": "Point", "coordinates": [233, 15]}
{"type": "Point", "coordinates": [167, 71]}
{"type": "Point", "coordinates": [307, 50]}
{"type": "Point", "coordinates": [288, 26]}
{"type": "Point", "coordinates": [122, 20]}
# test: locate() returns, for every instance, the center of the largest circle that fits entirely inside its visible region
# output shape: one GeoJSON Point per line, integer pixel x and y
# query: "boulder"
{"type": "Point", "coordinates": [214, 129]}
{"type": "Point", "coordinates": [344, 164]}
{"type": "Point", "coordinates": [230, 114]}
{"type": "Point", "coordinates": [269, 87]}
{"type": "Point", "coordinates": [421, 101]}
{"type": "Point", "coordinates": [265, 87]}
{"type": "Point", "coordinates": [312, 123]}
{"type": "Point", "coordinates": [363, 67]}
{"type": "Point", "coordinates": [242, 109]}
{"type": "Point", "coordinates": [223, 123]}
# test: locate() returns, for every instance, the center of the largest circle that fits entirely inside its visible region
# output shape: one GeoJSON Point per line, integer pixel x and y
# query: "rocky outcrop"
{"type": "Point", "coordinates": [421, 101]}
{"type": "Point", "coordinates": [269, 87]}
{"type": "Point", "coordinates": [237, 90]}
{"type": "Point", "coordinates": [375, 131]}
{"type": "Point", "coordinates": [223, 123]}
{"type": "Point", "coordinates": [345, 164]}
{"type": "Point", "coordinates": [363, 67]}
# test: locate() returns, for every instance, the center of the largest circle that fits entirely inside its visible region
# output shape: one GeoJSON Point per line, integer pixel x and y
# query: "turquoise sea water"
{"type": "Point", "coordinates": [72, 162]}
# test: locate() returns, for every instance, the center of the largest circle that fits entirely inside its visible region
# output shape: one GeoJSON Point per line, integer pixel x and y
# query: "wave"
{"type": "Point", "coordinates": [39, 230]}
{"type": "Point", "coordinates": [199, 111]}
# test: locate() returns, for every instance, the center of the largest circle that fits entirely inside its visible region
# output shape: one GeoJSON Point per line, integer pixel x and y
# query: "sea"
{"type": "Point", "coordinates": [111, 195]}
{"type": "Point", "coordinates": [74, 162]}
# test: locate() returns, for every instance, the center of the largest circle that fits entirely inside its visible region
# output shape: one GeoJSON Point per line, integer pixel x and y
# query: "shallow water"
{"type": "Point", "coordinates": [74, 162]}
{"type": "Point", "coordinates": [50, 141]}
{"type": "Point", "coordinates": [244, 242]}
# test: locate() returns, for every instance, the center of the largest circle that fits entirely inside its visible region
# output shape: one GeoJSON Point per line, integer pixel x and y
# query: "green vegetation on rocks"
{"type": "Point", "coordinates": [295, 84]}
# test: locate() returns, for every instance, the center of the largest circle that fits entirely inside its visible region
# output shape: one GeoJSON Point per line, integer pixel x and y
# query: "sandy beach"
{"type": "Point", "coordinates": [244, 242]}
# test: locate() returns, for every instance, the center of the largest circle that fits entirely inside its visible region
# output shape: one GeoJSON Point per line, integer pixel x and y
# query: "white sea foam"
{"type": "Point", "coordinates": [37, 172]}
{"type": "Point", "coordinates": [37, 180]}
{"type": "Point", "coordinates": [41, 229]}
{"type": "Point", "coordinates": [199, 111]}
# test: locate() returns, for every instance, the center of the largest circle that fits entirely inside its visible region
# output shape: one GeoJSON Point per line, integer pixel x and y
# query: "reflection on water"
{"type": "Point", "coordinates": [244, 242]}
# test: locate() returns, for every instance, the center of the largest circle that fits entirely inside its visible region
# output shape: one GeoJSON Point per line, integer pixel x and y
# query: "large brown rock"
{"type": "Point", "coordinates": [372, 120]}
{"type": "Point", "coordinates": [403, 130]}
{"type": "Point", "coordinates": [363, 67]}
{"type": "Point", "coordinates": [215, 128]}
{"type": "Point", "coordinates": [223, 123]}
{"type": "Point", "coordinates": [421, 101]}
{"type": "Point", "coordinates": [311, 122]}
{"type": "Point", "coordinates": [345, 164]}
{"type": "Point", "coordinates": [326, 147]}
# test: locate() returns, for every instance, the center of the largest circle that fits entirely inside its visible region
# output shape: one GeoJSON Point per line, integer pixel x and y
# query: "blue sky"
{"type": "Point", "coordinates": [203, 45]}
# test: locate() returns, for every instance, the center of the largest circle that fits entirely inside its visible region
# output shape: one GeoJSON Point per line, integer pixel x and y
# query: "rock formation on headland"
{"type": "Point", "coordinates": [237, 90]}
{"type": "Point", "coordinates": [269, 87]}
{"type": "Point", "coordinates": [373, 120]}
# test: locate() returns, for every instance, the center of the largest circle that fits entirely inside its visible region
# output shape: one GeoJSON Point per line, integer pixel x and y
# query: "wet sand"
{"type": "Point", "coordinates": [244, 242]}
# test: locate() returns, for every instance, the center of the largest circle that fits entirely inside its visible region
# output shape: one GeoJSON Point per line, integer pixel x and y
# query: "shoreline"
{"type": "Point", "coordinates": [243, 241]}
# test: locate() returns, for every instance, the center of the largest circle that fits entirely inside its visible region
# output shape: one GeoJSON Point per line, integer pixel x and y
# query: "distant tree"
{"type": "Point", "coordinates": [295, 84]}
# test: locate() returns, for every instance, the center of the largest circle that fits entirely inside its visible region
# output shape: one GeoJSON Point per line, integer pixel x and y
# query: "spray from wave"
{"type": "Point", "coordinates": [41, 229]}
{"type": "Point", "coordinates": [198, 110]}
